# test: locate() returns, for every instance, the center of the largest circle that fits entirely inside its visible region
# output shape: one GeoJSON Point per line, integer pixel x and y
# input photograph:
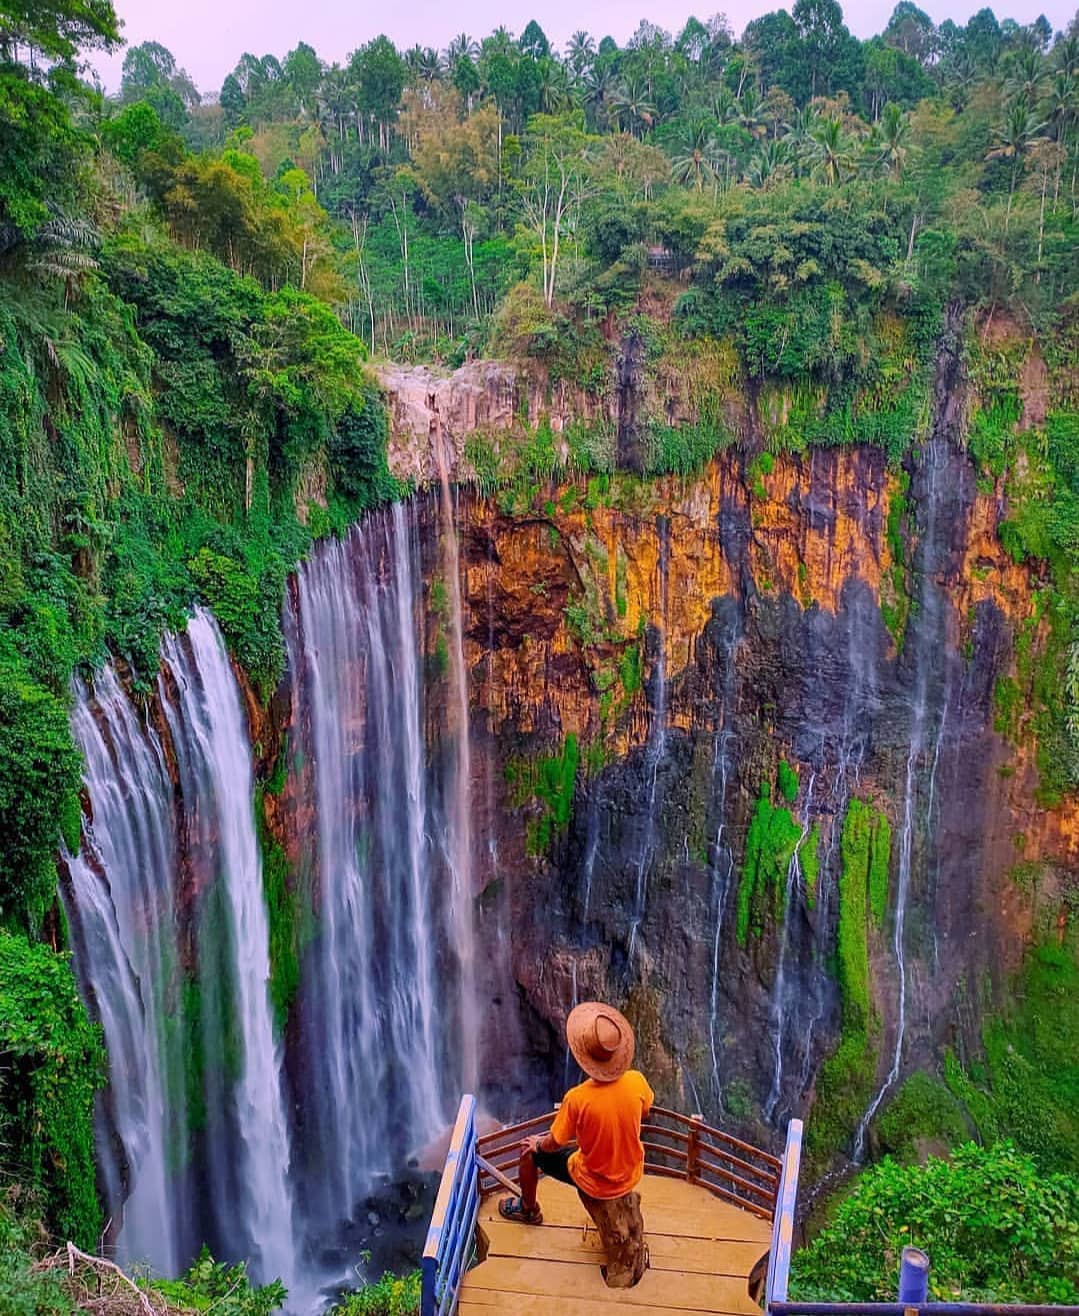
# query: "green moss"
{"type": "Point", "coordinates": [843, 1090]}
{"type": "Point", "coordinates": [809, 858]}
{"type": "Point", "coordinates": [291, 922]}
{"type": "Point", "coordinates": [787, 781]}
{"type": "Point", "coordinates": [924, 1112]}
{"type": "Point", "coordinates": [1028, 1087]}
{"type": "Point", "coordinates": [880, 856]}
{"type": "Point", "coordinates": [771, 841]}
{"type": "Point", "coordinates": [547, 782]}
{"type": "Point", "coordinates": [853, 949]}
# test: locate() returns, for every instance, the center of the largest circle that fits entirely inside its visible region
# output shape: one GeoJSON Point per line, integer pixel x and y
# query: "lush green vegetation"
{"type": "Point", "coordinates": [52, 1060]}
{"type": "Point", "coordinates": [997, 1229]}
{"type": "Point", "coordinates": [174, 427]}
{"type": "Point", "coordinates": [390, 1296]}
{"type": "Point", "coordinates": [548, 782]}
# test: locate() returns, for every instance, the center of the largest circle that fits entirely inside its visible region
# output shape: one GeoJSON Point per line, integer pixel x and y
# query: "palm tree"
{"type": "Point", "coordinates": [1014, 138]}
{"type": "Point", "coordinates": [553, 87]}
{"type": "Point", "coordinates": [423, 64]}
{"type": "Point", "coordinates": [829, 151]}
{"type": "Point", "coordinates": [580, 53]}
{"type": "Point", "coordinates": [893, 140]}
{"type": "Point", "coordinates": [799, 139]}
{"type": "Point", "coordinates": [634, 110]}
{"type": "Point", "coordinates": [1065, 54]}
{"type": "Point", "coordinates": [771, 163]}
{"type": "Point", "coordinates": [746, 112]}
{"type": "Point", "coordinates": [1026, 75]}
{"type": "Point", "coordinates": [696, 159]}
{"type": "Point", "coordinates": [461, 47]}
{"type": "Point", "coordinates": [598, 85]}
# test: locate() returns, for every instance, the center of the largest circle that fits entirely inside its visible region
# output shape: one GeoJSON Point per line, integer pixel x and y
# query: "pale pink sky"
{"type": "Point", "coordinates": [208, 36]}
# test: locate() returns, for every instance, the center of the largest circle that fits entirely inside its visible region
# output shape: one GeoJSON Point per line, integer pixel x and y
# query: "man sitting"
{"type": "Point", "coordinates": [603, 1116]}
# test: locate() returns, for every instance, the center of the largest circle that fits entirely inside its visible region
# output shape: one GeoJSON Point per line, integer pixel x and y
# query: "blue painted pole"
{"type": "Point", "coordinates": [913, 1276]}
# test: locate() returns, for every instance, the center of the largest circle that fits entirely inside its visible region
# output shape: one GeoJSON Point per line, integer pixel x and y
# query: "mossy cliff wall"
{"type": "Point", "coordinates": [683, 686]}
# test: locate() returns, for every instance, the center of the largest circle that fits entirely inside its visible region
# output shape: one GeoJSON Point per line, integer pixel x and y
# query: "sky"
{"type": "Point", "coordinates": [209, 36]}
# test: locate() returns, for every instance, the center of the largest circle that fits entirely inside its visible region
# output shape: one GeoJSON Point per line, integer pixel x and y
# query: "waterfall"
{"type": "Point", "coordinates": [119, 901]}
{"type": "Point", "coordinates": [459, 834]}
{"type": "Point", "coordinates": [248, 1153]}
{"type": "Point", "coordinates": [386, 977]}
{"type": "Point", "coordinates": [183, 1022]}
{"type": "Point", "coordinates": [929, 646]}
{"type": "Point", "coordinates": [657, 739]}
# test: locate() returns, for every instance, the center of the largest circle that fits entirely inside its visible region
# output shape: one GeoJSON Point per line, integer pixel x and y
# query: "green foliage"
{"type": "Point", "coordinates": [53, 1063]}
{"type": "Point", "coordinates": [290, 918]}
{"type": "Point", "coordinates": [22, 1291]}
{"type": "Point", "coordinates": [392, 1295]}
{"type": "Point", "coordinates": [39, 783]}
{"type": "Point", "coordinates": [215, 1286]}
{"type": "Point", "coordinates": [880, 856]}
{"type": "Point", "coordinates": [996, 1230]}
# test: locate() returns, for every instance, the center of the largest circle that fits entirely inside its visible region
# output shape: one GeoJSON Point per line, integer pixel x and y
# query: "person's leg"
{"type": "Point", "coordinates": [528, 1177]}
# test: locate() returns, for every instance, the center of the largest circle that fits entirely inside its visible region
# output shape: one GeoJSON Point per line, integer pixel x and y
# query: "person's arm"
{"type": "Point", "coordinates": [563, 1131]}
{"type": "Point", "coordinates": [542, 1142]}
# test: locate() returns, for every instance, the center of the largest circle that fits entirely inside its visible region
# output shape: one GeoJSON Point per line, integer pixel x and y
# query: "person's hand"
{"type": "Point", "coordinates": [533, 1143]}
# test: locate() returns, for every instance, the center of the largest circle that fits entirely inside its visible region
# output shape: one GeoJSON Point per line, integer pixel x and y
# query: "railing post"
{"type": "Point", "coordinates": [779, 1258]}
{"type": "Point", "coordinates": [446, 1226]}
{"type": "Point", "coordinates": [694, 1146]}
{"type": "Point", "coordinates": [913, 1277]}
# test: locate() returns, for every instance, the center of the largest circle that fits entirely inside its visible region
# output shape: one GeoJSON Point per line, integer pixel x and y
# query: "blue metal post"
{"type": "Point", "coordinates": [779, 1258]}
{"type": "Point", "coordinates": [913, 1277]}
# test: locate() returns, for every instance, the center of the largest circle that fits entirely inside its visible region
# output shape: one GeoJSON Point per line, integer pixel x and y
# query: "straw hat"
{"type": "Point", "coordinates": [601, 1040]}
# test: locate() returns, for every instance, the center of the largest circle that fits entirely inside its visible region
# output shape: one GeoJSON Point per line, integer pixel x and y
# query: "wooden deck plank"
{"type": "Point", "coordinates": [559, 1280]}
{"type": "Point", "coordinates": [570, 1243]}
{"type": "Point", "coordinates": [523, 1304]}
{"type": "Point", "coordinates": [669, 1206]}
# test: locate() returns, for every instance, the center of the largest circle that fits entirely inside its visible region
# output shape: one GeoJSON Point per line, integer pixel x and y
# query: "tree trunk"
{"type": "Point", "coordinates": [621, 1230]}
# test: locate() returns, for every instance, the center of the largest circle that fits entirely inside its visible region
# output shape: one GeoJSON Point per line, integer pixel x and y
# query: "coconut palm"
{"type": "Point", "coordinates": [746, 112]}
{"type": "Point", "coordinates": [461, 47]}
{"type": "Point", "coordinates": [830, 153]}
{"type": "Point", "coordinates": [696, 156]}
{"type": "Point", "coordinates": [892, 145]}
{"type": "Point", "coordinates": [635, 112]}
{"type": "Point", "coordinates": [771, 163]}
{"type": "Point", "coordinates": [1014, 138]}
{"type": "Point", "coordinates": [1026, 76]}
{"type": "Point", "coordinates": [580, 53]}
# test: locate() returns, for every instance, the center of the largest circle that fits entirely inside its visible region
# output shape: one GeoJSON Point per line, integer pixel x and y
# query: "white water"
{"type": "Point", "coordinates": [120, 908]}
{"type": "Point", "coordinates": [249, 1160]}
{"type": "Point", "coordinates": [369, 1010]}
{"type": "Point", "coordinates": [657, 739]}
{"type": "Point", "coordinates": [928, 639]}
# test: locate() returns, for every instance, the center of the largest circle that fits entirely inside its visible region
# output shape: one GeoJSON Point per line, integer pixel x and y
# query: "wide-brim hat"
{"type": "Point", "coordinates": [601, 1040]}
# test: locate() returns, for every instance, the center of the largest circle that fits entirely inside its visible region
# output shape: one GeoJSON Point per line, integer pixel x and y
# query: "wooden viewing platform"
{"type": "Point", "coordinates": [716, 1211]}
{"type": "Point", "coordinates": [702, 1252]}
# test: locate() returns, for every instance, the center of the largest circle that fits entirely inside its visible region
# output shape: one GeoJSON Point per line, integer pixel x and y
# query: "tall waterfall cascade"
{"type": "Point", "coordinates": [217, 1126]}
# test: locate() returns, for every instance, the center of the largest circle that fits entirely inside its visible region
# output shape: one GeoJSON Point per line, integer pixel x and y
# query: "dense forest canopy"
{"type": "Point", "coordinates": [189, 285]}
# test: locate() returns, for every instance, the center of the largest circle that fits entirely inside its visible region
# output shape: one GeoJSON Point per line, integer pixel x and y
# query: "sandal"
{"type": "Point", "coordinates": [513, 1208]}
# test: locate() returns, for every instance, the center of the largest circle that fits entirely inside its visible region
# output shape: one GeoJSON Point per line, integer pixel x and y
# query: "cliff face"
{"type": "Point", "coordinates": [642, 656]}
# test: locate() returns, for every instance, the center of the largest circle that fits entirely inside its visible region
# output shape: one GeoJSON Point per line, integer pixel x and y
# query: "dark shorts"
{"type": "Point", "coordinates": [555, 1164]}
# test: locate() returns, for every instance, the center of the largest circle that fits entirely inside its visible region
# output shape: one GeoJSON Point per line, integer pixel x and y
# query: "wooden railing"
{"type": "Point", "coordinates": [451, 1237]}
{"type": "Point", "coordinates": [678, 1146]}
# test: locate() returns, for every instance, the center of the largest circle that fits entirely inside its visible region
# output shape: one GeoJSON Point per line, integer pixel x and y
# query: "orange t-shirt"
{"type": "Point", "coordinates": [605, 1121]}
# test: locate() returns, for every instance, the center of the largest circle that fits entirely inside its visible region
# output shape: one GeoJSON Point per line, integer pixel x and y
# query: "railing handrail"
{"type": "Point", "coordinates": [716, 1161]}
{"type": "Point", "coordinates": [453, 1220]}
{"type": "Point", "coordinates": [779, 1257]}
